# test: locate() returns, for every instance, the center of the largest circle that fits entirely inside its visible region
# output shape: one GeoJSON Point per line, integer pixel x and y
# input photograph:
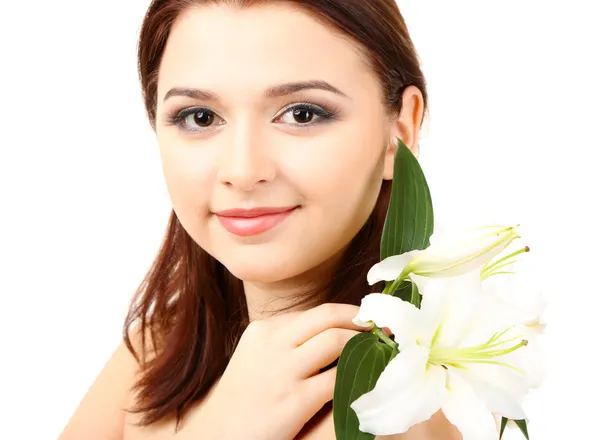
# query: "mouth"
{"type": "Point", "coordinates": [248, 222]}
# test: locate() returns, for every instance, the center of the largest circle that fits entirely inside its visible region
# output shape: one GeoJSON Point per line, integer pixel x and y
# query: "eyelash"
{"type": "Point", "coordinates": [325, 115]}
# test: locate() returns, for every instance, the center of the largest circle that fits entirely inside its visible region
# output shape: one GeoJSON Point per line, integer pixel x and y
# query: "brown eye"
{"type": "Point", "coordinates": [303, 115]}
{"type": "Point", "coordinates": [203, 118]}
{"type": "Point", "coordinates": [195, 119]}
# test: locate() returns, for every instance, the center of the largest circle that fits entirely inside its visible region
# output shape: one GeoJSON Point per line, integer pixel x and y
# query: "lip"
{"type": "Point", "coordinates": [255, 212]}
{"type": "Point", "coordinates": [248, 222]}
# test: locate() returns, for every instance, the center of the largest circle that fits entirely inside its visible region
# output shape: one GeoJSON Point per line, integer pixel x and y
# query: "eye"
{"type": "Point", "coordinates": [305, 114]}
{"type": "Point", "coordinates": [194, 119]}
{"type": "Point", "coordinates": [204, 118]}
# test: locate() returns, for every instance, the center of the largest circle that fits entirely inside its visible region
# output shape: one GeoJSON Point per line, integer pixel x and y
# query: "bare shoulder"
{"type": "Point", "coordinates": [101, 413]}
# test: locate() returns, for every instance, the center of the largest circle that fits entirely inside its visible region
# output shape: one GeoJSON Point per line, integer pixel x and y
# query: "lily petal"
{"type": "Point", "coordinates": [388, 311]}
{"type": "Point", "coordinates": [519, 291]}
{"type": "Point", "coordinates": [449, 306]}
{"type": "Point", "coordinates": [463, 252]}
{"type": "Point", "coordinates": [466, 411]}
{"type": "Point", "coordinates": [390, 268]}
{"type": "Point", "coordinates": [530, 360]}
{"type": "Point", "coordinates": [503, 391]}
{"type": "Point", "coordinates": [493, 315]}
{"type": "Point", "coordinates": [420, 281]}
{"type": "Point", "coordinates": [406, 394]}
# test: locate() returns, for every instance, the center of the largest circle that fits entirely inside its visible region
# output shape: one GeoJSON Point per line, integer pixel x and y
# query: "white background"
{"type": "Point", "coordinates": [514, 89]}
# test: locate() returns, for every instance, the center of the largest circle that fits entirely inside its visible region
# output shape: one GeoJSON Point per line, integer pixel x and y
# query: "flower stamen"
{"type": "Point", "coordinates": [486, 353]}
{"type": "Point", "coordinates": [492, 268]}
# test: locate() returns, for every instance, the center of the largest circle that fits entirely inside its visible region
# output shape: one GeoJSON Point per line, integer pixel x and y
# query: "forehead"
{"type": "Point", "coordinates": [252, 48]}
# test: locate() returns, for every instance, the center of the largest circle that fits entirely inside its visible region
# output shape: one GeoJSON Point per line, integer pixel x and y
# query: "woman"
{"type": "Point", "coordinates": [277, 124]}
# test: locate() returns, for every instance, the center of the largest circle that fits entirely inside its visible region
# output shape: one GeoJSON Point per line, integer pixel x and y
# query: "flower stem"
{"type": "Point", "coordinates": [385, 338]}
{"type": "Point", "coordinates": [390, 289]}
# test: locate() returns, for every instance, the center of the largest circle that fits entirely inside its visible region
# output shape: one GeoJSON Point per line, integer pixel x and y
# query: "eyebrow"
{"type": "Point", "coordinates": [272, 92]}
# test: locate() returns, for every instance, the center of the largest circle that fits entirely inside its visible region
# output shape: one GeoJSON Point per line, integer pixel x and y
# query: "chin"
{"type": "Point", "coordinates": [260, 271]}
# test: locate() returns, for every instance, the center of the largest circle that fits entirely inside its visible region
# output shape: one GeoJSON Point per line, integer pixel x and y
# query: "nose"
{"type": "Point", "coordinates": [245, 161]}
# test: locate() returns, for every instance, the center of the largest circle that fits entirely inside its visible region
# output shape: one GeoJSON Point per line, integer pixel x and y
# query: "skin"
{"type": "Point", "coordinates": [253, 152]}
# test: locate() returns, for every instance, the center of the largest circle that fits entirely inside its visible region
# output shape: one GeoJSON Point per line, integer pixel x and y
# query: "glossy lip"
{"type": "Point", "coordinates": [248, 222]}
{"type": "Point", "coordinates": [255, 212]}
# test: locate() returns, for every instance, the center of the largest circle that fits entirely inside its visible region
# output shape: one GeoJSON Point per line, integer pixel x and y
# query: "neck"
{"type": "Point", "coordinates": [266, 300]}
{"type": "Point", "coordinates": [293, 294]}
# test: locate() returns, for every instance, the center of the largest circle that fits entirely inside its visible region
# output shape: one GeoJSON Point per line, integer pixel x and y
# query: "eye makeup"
{"type": "Point", "coordinates": [197, 119]}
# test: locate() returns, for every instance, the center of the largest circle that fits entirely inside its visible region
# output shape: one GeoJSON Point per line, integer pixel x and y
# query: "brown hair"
{"type": "Point", "coordinates": [192, 307]}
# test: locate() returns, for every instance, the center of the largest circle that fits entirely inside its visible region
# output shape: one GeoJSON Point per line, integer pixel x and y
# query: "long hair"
{"type": "Point", "coordinates": [193, 309]}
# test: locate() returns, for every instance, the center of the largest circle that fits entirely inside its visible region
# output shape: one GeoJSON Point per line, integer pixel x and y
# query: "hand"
{"type": "Point", "coordinates": [273, 384]}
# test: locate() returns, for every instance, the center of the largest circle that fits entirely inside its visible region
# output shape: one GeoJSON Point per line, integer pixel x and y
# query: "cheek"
{"type": "Point", "coordinates": [187, 171]}
{"type": "Point", "coordinates": [340, 187]}
{"type": "Point", "coordinates": [340, 172]}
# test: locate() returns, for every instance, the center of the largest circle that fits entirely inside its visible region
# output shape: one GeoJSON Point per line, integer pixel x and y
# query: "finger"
{"type": "Point", "coordinates": [314, 321]}
{"type": "Point", "coordinates": [318, 389]}
{"type": "Point", "coordinates": [321, 350]}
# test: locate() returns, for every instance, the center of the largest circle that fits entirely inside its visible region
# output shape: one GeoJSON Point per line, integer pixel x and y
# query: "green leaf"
{"type": "Point", "coordinates": [415, 297]}
{"type": "Point", "coordinates": [409, 292]}
{"type": "Point", "coordinates": [502, 427]}
{"type": "Point", "coordinates": [404, 291]}
{"type": "Point", "coordinates": [361, 363]}
{"type": "Point", "coordinates": [409, 221]}
{"type": "Point", "coordinates": [522, 424]}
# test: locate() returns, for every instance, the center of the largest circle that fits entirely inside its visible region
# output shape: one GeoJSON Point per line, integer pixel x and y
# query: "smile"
{"type": "Point", "coordinates": [248, 222]}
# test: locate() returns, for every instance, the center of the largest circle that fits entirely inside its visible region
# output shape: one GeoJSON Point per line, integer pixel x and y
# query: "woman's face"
{"type": "Point", "coordinates": [265, 107]}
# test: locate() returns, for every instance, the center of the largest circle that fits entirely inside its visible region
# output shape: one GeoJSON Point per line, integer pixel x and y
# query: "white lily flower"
{"type": "Point", "coordinates": [457, 353]}
{"type": "Point", "coordinates": [448, 254]}
{"type": "Point", "coordinates": [503, 280]}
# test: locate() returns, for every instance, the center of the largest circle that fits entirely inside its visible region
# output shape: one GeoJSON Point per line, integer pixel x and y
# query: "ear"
{"type": "Point", "coordinates": [405, 126]}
